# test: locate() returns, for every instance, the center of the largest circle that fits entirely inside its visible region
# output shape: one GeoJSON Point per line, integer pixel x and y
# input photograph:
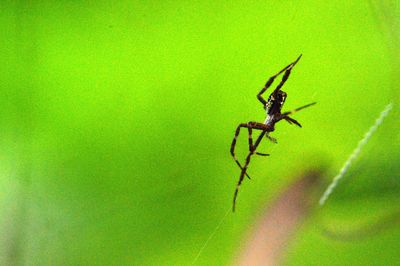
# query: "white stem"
{"type": "Point", "coordinates": [355, 153]}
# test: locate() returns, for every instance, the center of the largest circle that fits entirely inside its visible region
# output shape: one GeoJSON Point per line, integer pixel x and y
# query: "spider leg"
{"type": "Point", "coordinates": [242, 174]}
{"type": "Point", "coordinates": [233, 145]}
{"type": "Point", "coordinates": [250, 138]}
{"type": "Point", "coordinates": [286, 75]}
{"type": "Point", "coordinates": [272, 139]}
{"type": "Point", "coordinates": [297, 109]}
{"type": "Point", "coordinates": [288, 68]}
{"type": "Point", "coordinates": [292, 121]}
{"type": "Point", "coordinates": [251, 147]}
{"type": "Point", "coordinates": [250, 126]}
{"type": "Point", "coordinates": [241, 179]}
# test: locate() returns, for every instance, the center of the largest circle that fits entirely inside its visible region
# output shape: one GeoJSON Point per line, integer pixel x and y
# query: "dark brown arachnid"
{"type": "Point", "coordinates": [273, 115]}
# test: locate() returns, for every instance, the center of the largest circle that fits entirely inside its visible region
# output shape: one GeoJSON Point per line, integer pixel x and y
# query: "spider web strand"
{"type": "Point", "coordinates": [210, 237]}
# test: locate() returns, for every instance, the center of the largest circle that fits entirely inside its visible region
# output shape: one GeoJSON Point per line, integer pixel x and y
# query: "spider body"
{"type": "Point", "coordinates": [272, 107]}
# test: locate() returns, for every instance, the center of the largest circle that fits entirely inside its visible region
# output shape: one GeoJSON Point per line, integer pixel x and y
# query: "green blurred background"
{"type": "Point", "coordinates": [116, 120]}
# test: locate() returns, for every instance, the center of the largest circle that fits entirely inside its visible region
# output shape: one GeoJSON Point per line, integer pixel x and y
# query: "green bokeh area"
{"type": "Point", "coordinates": [117, 117]}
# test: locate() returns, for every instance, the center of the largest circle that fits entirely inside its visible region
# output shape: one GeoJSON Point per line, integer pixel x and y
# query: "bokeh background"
{"type": "Point", "coordinates": [116, 119]}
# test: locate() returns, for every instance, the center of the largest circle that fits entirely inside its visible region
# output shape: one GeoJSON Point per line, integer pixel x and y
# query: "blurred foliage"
{"type": "Point", "coordinates": [116, 121]}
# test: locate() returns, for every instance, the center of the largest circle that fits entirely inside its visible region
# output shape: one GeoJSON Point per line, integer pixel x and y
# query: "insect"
{"type": "Point", "coordinates": [273, 113]}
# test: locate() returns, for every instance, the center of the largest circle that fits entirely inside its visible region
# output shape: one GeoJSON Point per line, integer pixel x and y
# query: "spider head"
{"type": "Point", "coordinates": [275, 102]}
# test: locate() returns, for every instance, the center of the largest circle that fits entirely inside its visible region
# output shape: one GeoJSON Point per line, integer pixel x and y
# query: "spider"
{"type": "Point", "coordinates": [273, 115]}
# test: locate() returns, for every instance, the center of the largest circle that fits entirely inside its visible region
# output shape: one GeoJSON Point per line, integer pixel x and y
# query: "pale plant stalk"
{"type": "Point", "coordinates": [355, 153]}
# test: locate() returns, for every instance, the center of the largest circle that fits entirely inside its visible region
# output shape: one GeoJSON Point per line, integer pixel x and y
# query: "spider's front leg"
{"type": "Point", "coordinates": [287, 71]}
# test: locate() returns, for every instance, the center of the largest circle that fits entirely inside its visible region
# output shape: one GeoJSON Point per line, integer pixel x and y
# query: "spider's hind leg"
{"type": "Point", "coordinates": [233, 145]}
